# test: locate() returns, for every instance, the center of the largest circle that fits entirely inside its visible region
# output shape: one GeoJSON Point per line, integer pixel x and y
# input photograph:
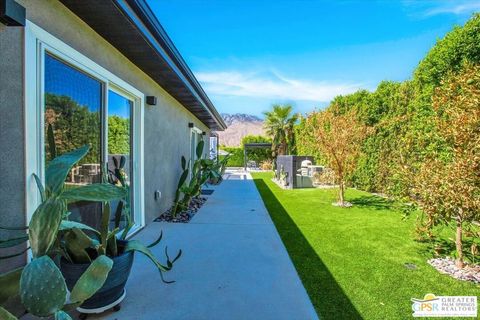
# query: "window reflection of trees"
{"type": "Point", "coordinates": [74, 126]}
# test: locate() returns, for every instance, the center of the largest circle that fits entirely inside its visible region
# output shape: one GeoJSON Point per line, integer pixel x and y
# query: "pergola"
{"type": "Point", "coordinates": [257, 145]}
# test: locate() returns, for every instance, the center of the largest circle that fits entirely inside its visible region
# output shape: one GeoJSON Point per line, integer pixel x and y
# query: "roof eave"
{"type": "Point", "coordinates": [150, 48]}
{"type": "Point", "coordinates": [141, 7]}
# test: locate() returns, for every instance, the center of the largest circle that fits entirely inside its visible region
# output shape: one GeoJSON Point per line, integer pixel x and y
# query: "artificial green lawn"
{"type": "Point", "coordinates": [352, 260]}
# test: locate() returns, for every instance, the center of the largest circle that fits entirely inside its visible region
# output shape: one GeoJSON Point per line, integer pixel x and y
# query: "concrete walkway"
{"type": "Point", "coordinates": [234, 265]}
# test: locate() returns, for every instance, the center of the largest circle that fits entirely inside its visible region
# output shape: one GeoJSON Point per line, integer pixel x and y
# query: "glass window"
{"type": "Point", "coordinates": [120, 152]}
{"type": "Point", "coordinates": [76, 115]}
{"type": "Point", "coordinates": [195, 138]}
{"type": "Point", "coordinates": [192, 145]}
{"type": "Point", "coordinates": [73, 109]}
{"type": "Point", "coordinates": [200, 138]}
{"type": "Point", "coordinates": [213, 148]}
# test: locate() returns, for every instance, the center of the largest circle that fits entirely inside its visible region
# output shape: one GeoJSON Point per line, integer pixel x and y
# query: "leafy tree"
{"type": "Point", "coordinates": [339, 138]}
{"type": "Point", "coordinates": [448, 188]}
{"type": "Point", "coordinates": [73, 125]}
{"type": "Point", "coordinates": [257, 154]}
{"type": "Point", "coordinates": [255, 139]}
{"type": "Point", "coordinates": [459, 45]}
{"type": "Point", "coordinates": [305, 141]}
{"type": "Point", "coordinates": [118, 135]}
{"type": "Point", "coordinates": [387, 113]}
{"type": "Point", "coordinates": [360, 101]}
{"type": "Point", "coordinates": [279, 124]}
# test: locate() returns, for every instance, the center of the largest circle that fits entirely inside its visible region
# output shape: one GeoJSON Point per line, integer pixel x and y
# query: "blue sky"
{"type": "Point", "coordinates": [86, 90]}
{"type": "Point", "coordinates": [249, 54]}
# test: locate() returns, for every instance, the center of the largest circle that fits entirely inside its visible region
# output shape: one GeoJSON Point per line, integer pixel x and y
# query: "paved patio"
{"type": "Point", "coordinates": [234, 265]}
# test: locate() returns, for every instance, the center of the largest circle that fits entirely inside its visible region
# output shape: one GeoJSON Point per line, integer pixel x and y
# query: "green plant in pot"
{"type": "Point", "coordinates": [72, 264]}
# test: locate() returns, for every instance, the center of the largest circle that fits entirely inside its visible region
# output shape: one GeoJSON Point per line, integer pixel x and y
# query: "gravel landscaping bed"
{"type": "Point", "coordinates": [184, 216]}
{"type": "Point", "coordinates": [447, 266]}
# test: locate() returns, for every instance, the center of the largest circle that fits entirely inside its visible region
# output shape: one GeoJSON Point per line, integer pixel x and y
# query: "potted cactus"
{"type": "Point", "coordinates": [73, 265]}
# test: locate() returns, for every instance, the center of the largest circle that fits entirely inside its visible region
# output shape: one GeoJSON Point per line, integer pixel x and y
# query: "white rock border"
{"type": "Point", "coordinates": [447, 266]}
{"type": "Point", "coordinates": [345, 204]}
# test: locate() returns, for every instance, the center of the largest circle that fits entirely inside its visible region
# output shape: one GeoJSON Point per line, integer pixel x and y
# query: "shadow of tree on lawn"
{"type": "Point", "coordinates": [373, 202]}
{"type": "Point", "coordinates": [328, 298]}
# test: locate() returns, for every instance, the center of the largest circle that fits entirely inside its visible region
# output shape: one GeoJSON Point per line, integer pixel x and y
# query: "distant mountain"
{"type": "Point", "coordinates": [239, 117]}
{"type": "Point", "coordinates": [239, 125]}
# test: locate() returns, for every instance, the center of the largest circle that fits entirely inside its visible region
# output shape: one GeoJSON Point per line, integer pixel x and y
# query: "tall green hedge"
{"type": "Point", "coordinates": [401, 115]}
{"type": "Point", "coordinates": [237, 153]}
{"type": "Point", "coordinates": [459, 45]}
{"type": "Point", "coordinates": [236, 156]}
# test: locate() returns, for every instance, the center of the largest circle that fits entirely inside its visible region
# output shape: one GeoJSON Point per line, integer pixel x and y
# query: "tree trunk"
{"type": "Point", "coordinates": [459, 245]}
{"type": "Point", "coordinates": [341, 193]}
{"type": "Point", "coordinates": [283, 148]}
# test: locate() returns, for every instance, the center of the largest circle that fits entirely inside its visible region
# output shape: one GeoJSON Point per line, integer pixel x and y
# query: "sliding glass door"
{"type": "Point", "coordinates": [71, 101]}
{"type": "Point", "coordinates": [73, 118]}
{"type": "Point", "coordinates": [81, 109]}
{"type": "Point", "coordinates": [195, 137]}
{"type": "Point", "coordinates": [120, 150]}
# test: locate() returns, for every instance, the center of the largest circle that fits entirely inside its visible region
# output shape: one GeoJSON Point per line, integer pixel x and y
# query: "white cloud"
{"type": "Point", "coordinates": [271, 85]}
{"type": "Point", "coordinates": [433, 8]}
{"type": "Point", "coordinates": [455, 8]}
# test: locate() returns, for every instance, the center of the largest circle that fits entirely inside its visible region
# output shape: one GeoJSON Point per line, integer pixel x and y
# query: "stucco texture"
{"type": "Point", "coordinates": [12, 170]}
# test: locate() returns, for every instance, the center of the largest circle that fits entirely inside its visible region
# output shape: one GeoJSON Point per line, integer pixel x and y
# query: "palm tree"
{"type": "Point", "coordinates": [279, 125]}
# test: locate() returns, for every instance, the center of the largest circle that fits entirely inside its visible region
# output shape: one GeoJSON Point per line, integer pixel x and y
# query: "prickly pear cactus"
{"type": "Point", "coordinates": [42, 287]}
{"type": "Point", "coordinates": [60, 315]}
{"type": "Point", "coordinates": [92, 279]}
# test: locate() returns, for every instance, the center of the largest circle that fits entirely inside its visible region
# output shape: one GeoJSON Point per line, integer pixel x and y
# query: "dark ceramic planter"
{"type": "Point", "coordinates": [113, 287]}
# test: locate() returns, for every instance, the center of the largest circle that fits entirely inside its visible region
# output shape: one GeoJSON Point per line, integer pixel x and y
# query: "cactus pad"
{"type": "Point", "coordinates": [42, 287]}
{"type": "Point", "coordinates": [44, 225]}
{"type": "Point", "coordinates": [60, 315]}
{"type": "Point", "coordinates": [92, 279]}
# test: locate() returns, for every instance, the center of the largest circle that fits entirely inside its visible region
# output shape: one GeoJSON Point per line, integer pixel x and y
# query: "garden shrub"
{"type": "Point", "coordinates": [236, 156]}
